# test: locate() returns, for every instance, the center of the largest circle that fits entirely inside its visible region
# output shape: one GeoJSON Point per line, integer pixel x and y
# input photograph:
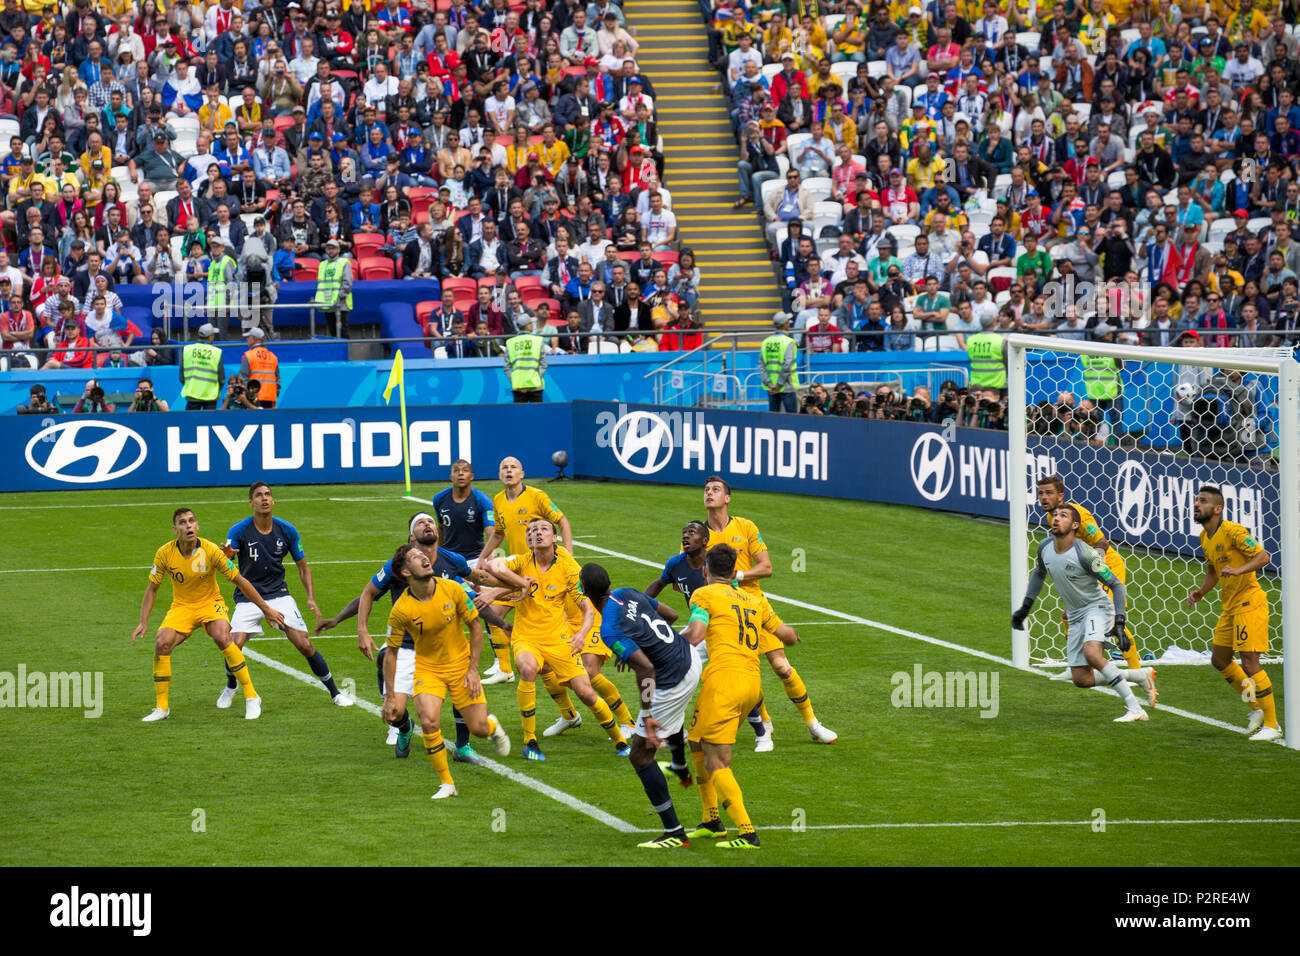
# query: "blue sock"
{"type": "Point", "coordinates": [656, 788]}
{"type": "Point", "coordinates": [462, 729]}
{"type": "Point", "coordinates": [322, 671]}
{"type": "Point", "coordinates": [231, 683]}
{"type": "Point", "coordinates": [404, 725]}
{"type": "Point", "coordinates": [379, 667]}
{"type": "Point", "coordinates": [755, 718]}
{"type": "Point", "coordinates": [677, 743]}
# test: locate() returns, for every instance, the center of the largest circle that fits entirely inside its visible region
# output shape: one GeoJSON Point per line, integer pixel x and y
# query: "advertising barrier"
{"type": "Point", "coordinates": [1139, 497]}
{"type": "Point", "coordinates": [287, 446]}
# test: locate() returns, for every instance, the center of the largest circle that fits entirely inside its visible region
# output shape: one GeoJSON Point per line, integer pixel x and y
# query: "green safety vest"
{"type": "Point", "coordinates": [524, 353]}
{"type": "Point", "coordinates": [1100, 377]}
{"type": "Point", "coordinates": [200, 363]}
{"type": "Point", "coordinates": [220, 272]}
{"type": "Point", "coordinates": [775, 350]}
{"type": "Point", "coordinates": [987, 369]}
{"type": "Point", "coordinates": [329, 280]}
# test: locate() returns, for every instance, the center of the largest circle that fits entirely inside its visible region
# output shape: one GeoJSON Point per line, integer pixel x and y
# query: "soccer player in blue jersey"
{"type": "Point", "coordinates": [667, 670]}
{"type": "Point", "coordinates": [261, 542]}
{"type": "Point", "coordinates": [423, 533]}
{"type": "Point", "coordinates": [464, 512]}
{"type": "Point", "coordinates": [685, 573]}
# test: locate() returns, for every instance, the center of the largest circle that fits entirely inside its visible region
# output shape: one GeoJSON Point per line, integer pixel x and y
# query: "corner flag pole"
{"type": "Point", "coordinates": [396, 378]}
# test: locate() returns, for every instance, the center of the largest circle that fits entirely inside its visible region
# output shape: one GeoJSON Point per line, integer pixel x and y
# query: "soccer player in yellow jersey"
{"type": "Point", "coordinates": [542, 636]}
{"type": "Point", "coordinates": [513, 508]}
{"type": "Point", "coordinates": [1051, 495]}
{"type": "Point", "coordinates": [1232, 556]}
{"type": "Point", "coordinates": [433, 613]}
{"type": "Point", "coordinates": [753, 563]}
{"type": "Point", "coordinates": [732, 622]}
{"type": "Point", "coordinates": [192, 563]}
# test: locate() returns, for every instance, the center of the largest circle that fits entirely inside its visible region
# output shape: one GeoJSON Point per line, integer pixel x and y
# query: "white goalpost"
{"type": "Point", "coordinates": [1135, 457]}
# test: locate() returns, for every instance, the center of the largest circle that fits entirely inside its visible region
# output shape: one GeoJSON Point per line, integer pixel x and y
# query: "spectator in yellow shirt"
{"type": "Point", "coordinates": [215, 113]}
{"type": "Point", "coordinates": [841, 130]}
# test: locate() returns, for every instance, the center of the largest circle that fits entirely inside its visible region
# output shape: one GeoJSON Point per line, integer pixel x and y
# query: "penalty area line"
{"type": "Point", "coordinates": [1006, 824]}
{"type": "Point", "coordinates": [927, 639]}
{"type": "Point", "coordinates": [546, 790]}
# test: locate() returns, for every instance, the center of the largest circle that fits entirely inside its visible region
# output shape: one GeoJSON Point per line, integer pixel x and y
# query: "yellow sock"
{"type": "Point", "coordinates": [560, 694]}
{"type": "Point", "coordinates": [437, 752]}
{"type": "Point", "coordinates": [1131, 655]}
{"type": "Point", "coordinates": [501, 648]}
{"type": "Point", "coordinates": [724, 781]}
{"type": "Point", "coordinates": [605, 717]}
{"type": "Point", "coordinates": [762, 711]}
{"type": "Point", "coordinates": [1264, 697]}
{"type": "Point", "coordinates": [798, 694]}
{"type": "Point", "coordinates": [162, 679]}
{"type": "Point", "coordinates": [526, 694]}
{"type": "Point", "coordinates": [492, 725]}
{"type": "Point", "coordinates": [1235, 676]}
{"type": "Point", "coordinates": [609, 693]}
{"type": "Point", "coordinates": [708, 796]}
{"type": "Point", "coordinates": [239, 667]}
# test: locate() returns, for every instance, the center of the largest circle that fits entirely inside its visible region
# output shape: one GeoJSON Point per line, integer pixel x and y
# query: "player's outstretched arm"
{"type": "Point", "coordinates": [493, 542]}
{"type": "Point", "coordinates": [146, 608]}
{"type": "Point", "coordinates": [250, 592]}
{"type": "Point", "coordinates": [653, 590]}
{"type": "Point", "coordinates": [787, 634]}
{"type": "Point", "coordinates": [566, 533]}
{"type": "Point", "coordinates": [694, 632]}
{"type": "Point", "coordinates": [663, 610]}
{"type": "Point", "coordinates": [364, 603]}
{"type": "Point", "coordinates": [588, 620]}
{"type": "Point", "coordinates": [304, 572]}
{"type": "Point", "coordinates": [342, 615]}
{"type": "Point", "coordinates": [762, 568]}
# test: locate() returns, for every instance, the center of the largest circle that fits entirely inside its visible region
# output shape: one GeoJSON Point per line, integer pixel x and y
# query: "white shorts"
{"type": "Point", "coordinates": [668, 707]}
{"type": "Point", "coordinates": [247, 618]}
{"type": "Point", "coordinates": [404, 678]}
{"type": "Point", "coordinates": [1092, 626]}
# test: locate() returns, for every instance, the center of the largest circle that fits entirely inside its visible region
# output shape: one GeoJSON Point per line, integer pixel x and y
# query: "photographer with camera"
{"type": "Point", "coordinates": [92, 401]}
{"type": "Point", "coordinates": [145, 400]}
{"type": "Point", "coordinates": [238, 395]}
{"type": "Point", "coordinates": [36, 403]}
{"type": "Point", "coordinates": [816, 402]}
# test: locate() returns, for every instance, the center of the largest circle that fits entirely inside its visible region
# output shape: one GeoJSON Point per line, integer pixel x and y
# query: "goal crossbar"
{"type": "Point", "coordinates": [1276, 362]}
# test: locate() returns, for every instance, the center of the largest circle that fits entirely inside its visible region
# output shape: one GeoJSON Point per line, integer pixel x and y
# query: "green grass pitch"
{"type": "Point", "coordinates": [313, 784]}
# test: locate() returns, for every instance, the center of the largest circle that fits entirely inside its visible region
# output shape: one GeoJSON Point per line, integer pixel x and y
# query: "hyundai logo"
{"type": "Point", "coordinates": [105, 444]}
{"type": "Point", "coordinates": [653, 442]}
{"type": "Point", "coordinates": [1134, 500]}
{"type": "Point", "coordinates": [932, 468]}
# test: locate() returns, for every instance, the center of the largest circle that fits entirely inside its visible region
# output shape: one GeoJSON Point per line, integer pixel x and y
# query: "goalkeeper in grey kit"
{"type": "Point", "coordinates": [1078, 572]}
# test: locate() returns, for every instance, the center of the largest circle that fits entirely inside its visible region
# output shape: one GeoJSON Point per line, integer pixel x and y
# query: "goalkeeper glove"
{"type": "Point", "coordinates": [1018, 617]}
{"type": "Point", "coordinates": [1120, 634]}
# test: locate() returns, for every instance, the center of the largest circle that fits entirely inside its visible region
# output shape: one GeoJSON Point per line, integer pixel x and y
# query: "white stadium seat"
{"type": "Point", "coordinates": [819, 187]}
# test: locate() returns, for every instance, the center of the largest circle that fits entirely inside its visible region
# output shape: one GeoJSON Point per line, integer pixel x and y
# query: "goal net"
{"type": "Point", "coordinates": [1133, 452]}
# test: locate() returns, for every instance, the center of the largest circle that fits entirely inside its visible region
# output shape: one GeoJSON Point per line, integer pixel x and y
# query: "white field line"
{"type": "Point", "coordinates": [949, 645]}
{"type": "Point", "coordinates": [545, 790]}
{"type": "Point", "coordinates": [1009, 823]}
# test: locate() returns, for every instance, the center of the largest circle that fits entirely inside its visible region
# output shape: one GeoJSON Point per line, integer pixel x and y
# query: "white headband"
{"type": "Point", "coordinates": [422, 514]}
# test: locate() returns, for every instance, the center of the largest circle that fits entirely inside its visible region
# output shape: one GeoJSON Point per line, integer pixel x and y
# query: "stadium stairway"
{"type": "Point", "coordinates": [738, 291]}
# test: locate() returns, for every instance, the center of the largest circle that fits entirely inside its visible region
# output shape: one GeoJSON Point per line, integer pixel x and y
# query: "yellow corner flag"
{"type": "Point", "coordinates": [395, 378]}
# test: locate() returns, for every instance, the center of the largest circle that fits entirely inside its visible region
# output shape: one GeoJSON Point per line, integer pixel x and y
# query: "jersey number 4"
{"type": "Point", "coordinates": [747, 627]}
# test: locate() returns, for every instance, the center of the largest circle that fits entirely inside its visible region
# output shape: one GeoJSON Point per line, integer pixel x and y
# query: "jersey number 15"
{"type": "Point", "coordinates": [747, 627]}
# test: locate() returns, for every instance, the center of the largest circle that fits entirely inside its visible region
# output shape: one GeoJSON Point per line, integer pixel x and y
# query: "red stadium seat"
{"type": "Point", "coordinates": [527, 282]}
{"type": "Point", "coordinates": [665, 259]}
{"type": "Point", "coordinates": [531, 295]}
{"type": "Point", "coordinates": [423, 310]}
{"type": "Point", "coordinates": [630, 255]}
{"type": "Point", "coordinates": [305, 270]}
{"type": "Point", "coordinates": [464, 291]}
{"type": "Point", "coordinates": [366, 244]}
{"type": "Point", "coordinates": [283, 123]}
{"type": "Point", "coordinates": [377, 267]}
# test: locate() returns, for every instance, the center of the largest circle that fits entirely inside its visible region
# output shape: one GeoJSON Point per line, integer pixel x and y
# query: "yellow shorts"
{"type": "Point", "coordinates": [1245, 628]}
{"type": "Point", "coordinates": [596, 646]}
{"type": "Point", "coordinates": [445, 682]}
{"type": "Point", "coordinates": [564, 663]}
{"type": "Point", "coordinates": [188, 618]}
{"type": "Point", "coordinates": [725, 698]}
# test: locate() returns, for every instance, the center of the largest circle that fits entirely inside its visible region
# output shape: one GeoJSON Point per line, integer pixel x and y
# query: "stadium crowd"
{"type": "Point", "coordinates": [511, 146]}
{"type": "Point", "coordinates": [942, 168]}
